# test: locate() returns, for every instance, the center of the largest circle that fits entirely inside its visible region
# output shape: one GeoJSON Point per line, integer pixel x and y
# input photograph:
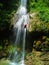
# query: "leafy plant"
{"type": "Point", "coordinates": [40, 6]}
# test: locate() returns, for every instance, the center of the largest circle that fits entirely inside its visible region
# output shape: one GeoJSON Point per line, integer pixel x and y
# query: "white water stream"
{"type": "Point", "coordinates": [20, 32]}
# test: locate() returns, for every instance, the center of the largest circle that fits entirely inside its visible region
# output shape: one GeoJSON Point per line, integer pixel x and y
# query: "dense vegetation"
{"type": "Point", "coordinates": [7, 11]}
{"type": "Point", "coordinates": [42, 7]}
{"type": "Point", "coordinates": [39, 27]}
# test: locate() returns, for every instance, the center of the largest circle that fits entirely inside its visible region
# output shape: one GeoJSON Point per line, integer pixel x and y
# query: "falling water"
{"type": "Point", "coordinates": [20, 34]}
{"type": "Point", "coordinates": [23, 2]}
{"type": "Point", "coordinates": [24, 36]}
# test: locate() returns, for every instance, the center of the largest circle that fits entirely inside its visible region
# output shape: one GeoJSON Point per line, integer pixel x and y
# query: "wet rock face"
{"type": "Point", "coordinates": [25, 25]}
{"type": "Point", "coordinates": [38, 33]}
{"type": "Point", "coordinates": [32, 21]}
{"type": "Point", "coordinates": [36, 24]}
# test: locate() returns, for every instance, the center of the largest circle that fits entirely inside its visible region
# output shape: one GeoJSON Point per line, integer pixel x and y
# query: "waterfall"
{"type": "Point", "coordinates": [23, 2]}
{"type": "Point", "coordinates": [20, 34]}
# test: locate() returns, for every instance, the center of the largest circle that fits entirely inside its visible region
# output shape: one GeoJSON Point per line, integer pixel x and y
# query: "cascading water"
{"type": "Point", "coordinates": [23, 2]}
{"type": "Point", "coordinates": [20, 33]}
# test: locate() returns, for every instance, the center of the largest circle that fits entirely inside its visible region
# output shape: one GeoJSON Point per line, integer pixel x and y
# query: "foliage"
{"type": "Point", "coordinates": [0, 48]}
{"type": "Point", "coordinates": [39, 32]}
{"type": "Point", "coordinates": [37, 58]}
{"type": "Point", "coordinates": [38, 25]}
{"type": "Point", "coordinates": [7, 11]}
{"type": "Point", "coordinates": [10, 49]}
{"type": "Point", "coordinates": [41, 6]}
{"type": "Point", "coordinates": [6, 8]}
{"type": "Point", "coordinates": [4, 62]}
{"type": "Point", "coordinates": [41, 44]}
